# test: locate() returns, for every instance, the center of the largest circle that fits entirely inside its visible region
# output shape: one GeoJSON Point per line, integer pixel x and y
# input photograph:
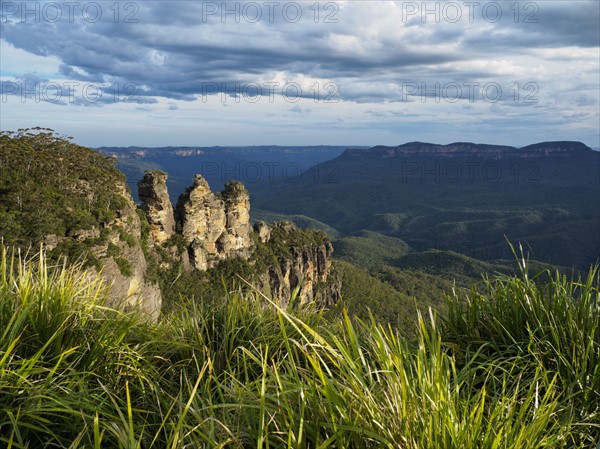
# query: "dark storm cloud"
{"type": "Point", "coordinates": [576, 25]}
{"type": "Point", "coordinates": [176, 50]}
{"type": "Point", "coordinates": [549, 25]}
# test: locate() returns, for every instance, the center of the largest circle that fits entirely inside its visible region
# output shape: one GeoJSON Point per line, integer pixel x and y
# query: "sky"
{"type": "Point", "coordinates": [194, 73]}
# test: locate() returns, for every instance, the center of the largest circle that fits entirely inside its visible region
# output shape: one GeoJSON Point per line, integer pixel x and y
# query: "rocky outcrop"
{"type": "Point", "coordinates": [215, 226]}
{"type": "Point", "coordinates": [303, 262]}
{"type": "Point", "coordinates": [75, 202]}
{"type": "Point", "coordinates": [152, 190]}
{"type": "Point", "coordinates": [262, 231]}
{"type": "Point", "coordinates": [121, 261]}
{"type": "Point", "coordinates": [237, 238]}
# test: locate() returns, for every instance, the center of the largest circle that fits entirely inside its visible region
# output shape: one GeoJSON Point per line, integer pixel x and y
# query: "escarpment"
{"type": "Point", "coordinates": [215, 228]}
{"type": "Point", "coordinates": [113, 250]}
{"type": "Point", "coordinates": [124, 264]}
{"type": "Point", "coordinates": [73, 202]}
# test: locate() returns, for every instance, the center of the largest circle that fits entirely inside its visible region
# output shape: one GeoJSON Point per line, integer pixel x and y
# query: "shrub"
{"type": "Point", "coordinates": [124, 266]}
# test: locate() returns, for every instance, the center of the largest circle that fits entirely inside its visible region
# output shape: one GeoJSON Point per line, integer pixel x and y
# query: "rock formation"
{"type": "Point", "coordinates": [215, 226]}
{"type": "Point", "coordinates": [84, 212]}
{"type": "Point", "coordinates": [121, 258]}
{"type": "Point", "coordinates": [237, 238]}
{"type": "Point", "coordinates": [152, 190]}
{"type": "Point", "coordinates": [75, 202]}
{"type": "Point", "coordinates": [301, 263]}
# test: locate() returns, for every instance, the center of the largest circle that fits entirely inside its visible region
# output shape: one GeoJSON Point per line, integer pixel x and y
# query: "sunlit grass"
{"type": "Point", "coordinates": [517, 367]}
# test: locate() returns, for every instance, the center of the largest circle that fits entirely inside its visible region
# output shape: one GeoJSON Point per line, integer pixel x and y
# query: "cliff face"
{"type": "Point", "coordinates": [215, 226]}
{"type": "Point", "coordinates": [300, 264]}
{"type": "Point", "coordinates": [543, 150]}
{"type": "Point", "coordinates": [124, 264]}
{"type": "Point", "coordinates": [116, 245]}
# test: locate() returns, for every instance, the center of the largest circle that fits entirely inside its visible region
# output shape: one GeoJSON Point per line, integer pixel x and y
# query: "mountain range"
{"type": "Point", "coordinates": [465, 197]}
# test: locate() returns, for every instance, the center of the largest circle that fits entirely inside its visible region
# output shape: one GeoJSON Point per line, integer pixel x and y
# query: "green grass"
{"type": "Point", "coordinates": [516, 367]}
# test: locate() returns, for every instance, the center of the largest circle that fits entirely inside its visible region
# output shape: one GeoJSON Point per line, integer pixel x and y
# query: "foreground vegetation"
{"type": "Point", "coordinates": [515, 367]}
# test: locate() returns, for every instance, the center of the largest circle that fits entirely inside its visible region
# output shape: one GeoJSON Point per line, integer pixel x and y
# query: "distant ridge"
{"type": "Point", "coordinates": [558, 149]}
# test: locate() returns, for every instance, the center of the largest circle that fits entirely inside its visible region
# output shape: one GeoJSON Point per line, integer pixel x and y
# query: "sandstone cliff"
{"type": "Point", "coordinates": [124, 263]}
{"type": "Point", "coordinates": [303, 263]}
{"type": "Point", "coordinates": [116, 246]}
{"type": "Point", "coordinates": [542, 150]}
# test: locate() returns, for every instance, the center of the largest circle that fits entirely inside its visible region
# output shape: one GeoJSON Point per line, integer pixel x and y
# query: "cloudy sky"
{"type": "Point", "coordinates": [154, 73]}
